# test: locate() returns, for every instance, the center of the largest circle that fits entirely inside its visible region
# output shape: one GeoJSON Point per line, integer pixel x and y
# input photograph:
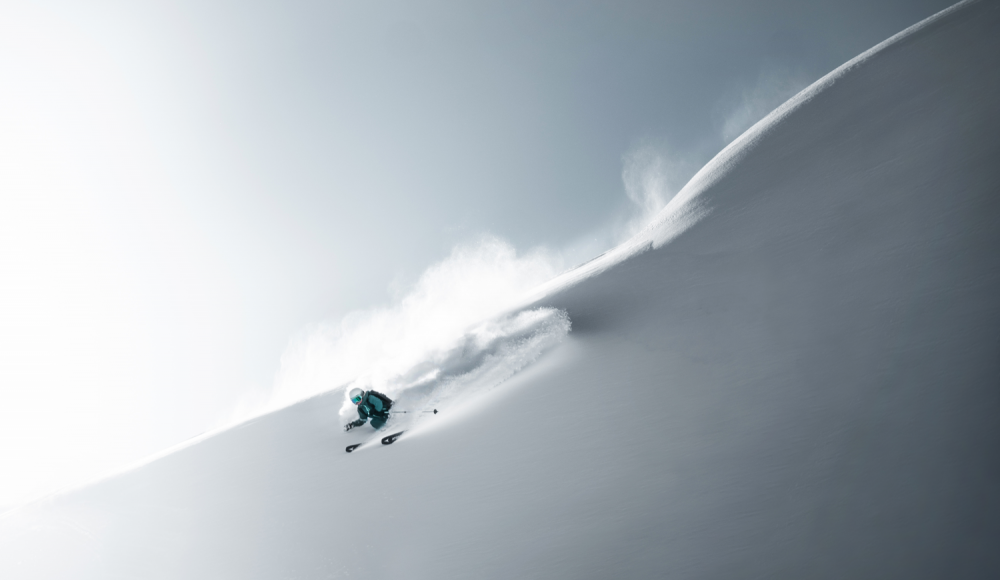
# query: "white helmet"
{"type": "Point", "coordinates": [356, 395]}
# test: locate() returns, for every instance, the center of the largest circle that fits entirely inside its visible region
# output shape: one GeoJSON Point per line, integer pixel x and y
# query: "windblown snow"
{"type": "Point", "coordinates": [450, 379]}
{"type": "Point", "coordinates": [792, 373]}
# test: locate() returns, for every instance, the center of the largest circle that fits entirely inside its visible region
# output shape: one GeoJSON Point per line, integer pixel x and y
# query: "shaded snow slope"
{"type": "Point", "coordinates": [795, 374]}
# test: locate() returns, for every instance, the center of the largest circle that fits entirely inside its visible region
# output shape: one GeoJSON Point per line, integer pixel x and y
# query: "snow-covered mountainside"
{"type": "Point", "coordinates": [793, 373]}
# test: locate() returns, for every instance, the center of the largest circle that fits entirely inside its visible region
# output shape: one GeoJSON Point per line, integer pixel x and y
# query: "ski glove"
{"type": "Point", "coordinates": [349, 426]}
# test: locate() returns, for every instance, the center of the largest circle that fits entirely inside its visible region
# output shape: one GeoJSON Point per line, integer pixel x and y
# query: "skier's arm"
{"type": "Point", "coordinates": [363, 418]}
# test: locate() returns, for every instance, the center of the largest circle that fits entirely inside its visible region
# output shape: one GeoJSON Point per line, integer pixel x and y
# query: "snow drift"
{"type": "Point", "coordinates": [793, 373]}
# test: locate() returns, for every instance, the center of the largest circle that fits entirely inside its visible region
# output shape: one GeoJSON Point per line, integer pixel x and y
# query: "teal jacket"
{"type": "Point", "coordinates": [375, 406]}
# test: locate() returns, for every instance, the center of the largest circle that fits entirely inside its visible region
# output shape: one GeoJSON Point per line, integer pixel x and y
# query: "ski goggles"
{"type": "Point", "coordinates": [356, 399]}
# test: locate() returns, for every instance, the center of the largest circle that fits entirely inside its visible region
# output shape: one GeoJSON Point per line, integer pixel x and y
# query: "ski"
{"type": "Point", "coordinates": [387, 440]}
{"type": "Point", "coordinates": [390, 439]}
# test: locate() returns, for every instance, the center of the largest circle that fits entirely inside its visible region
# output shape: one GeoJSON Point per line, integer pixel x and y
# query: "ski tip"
{"type": "Point", "coordinates": [353, 447]}
{"type": "Point", "coordinates": [390, 439]}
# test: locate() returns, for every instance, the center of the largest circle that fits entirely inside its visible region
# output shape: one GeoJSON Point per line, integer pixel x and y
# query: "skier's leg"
{"type": "Point", "coordinates": [378, 422]}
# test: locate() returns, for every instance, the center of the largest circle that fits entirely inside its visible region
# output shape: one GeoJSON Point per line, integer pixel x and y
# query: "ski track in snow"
{"type": "Point", "coordinates": [453, 378]}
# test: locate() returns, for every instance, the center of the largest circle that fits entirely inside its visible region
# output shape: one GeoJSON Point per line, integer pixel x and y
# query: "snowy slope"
{"type": "Point", "coordinates": [793, 373]}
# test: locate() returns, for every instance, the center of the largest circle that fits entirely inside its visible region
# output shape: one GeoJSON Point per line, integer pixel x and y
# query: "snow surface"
{"type": "Point", "coordinates": [794, 372]}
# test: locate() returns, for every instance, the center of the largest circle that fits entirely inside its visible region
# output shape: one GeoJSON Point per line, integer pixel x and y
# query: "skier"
{"type": "Point", "coordinates": [371, 405]}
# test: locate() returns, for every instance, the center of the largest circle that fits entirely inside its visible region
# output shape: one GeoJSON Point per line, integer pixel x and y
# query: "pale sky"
{"type": "Point", "coordinates": [186, 186]}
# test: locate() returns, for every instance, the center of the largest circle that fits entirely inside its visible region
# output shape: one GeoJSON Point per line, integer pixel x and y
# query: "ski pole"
{"type": "Point", "coordinates": [415, 412]}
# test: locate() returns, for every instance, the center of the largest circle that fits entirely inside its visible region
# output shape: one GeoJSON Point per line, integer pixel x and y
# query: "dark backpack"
{"type": "Point", "coordinates": [386, 402]}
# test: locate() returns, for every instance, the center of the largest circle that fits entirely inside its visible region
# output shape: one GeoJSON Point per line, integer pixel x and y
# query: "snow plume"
{"type": "Point", "coordinates": [653, 172]}
{"type": "Point", "coordinates": [651, 178]}
{"type": "Point", "coordinates": [774, 86]}
{"type": "Point", "coordinates": [480, 359]}
{"type": "Point", "coordinates": [453, 321]}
